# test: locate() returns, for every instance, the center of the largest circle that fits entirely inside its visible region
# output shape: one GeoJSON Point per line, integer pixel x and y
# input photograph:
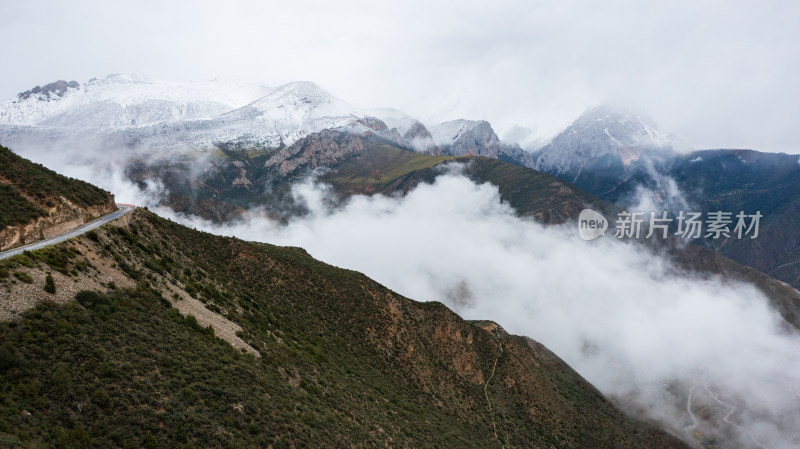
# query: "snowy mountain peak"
{"type": "Point", "coordinates": [610, 133]}
{"type": "Point", "coordinates": [286, 114]}
{"type": "Point", "coordinates": [448, 133]}
{"type": "Point", "coordinates": [475, 138]}
{"type": "Point", "coordinates": [302, 89]}
{"type": "Point", "coordinates": [395, 118]}
{"type": "Point", "coordinates": [623, 124]}
{"type": "Point", "coordinates": [303, 97]}
{"type": "Point", "coordinates": [121, 100]}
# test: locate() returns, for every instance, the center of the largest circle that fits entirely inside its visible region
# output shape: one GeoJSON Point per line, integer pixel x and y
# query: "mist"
{"type": "Point", "coordinates": [642, 331]}
{"type": "Point", "coordinates": [717, 74]}
{"type": "Point", "coordinates": [650, 336]}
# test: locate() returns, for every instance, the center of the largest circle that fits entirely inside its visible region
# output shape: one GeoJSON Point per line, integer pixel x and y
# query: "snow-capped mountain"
{"type": "Point", "coordinates": [475, 137]}
{"type": "Point", "coordinates": [607, 141]}
{"type": "Point", "coordinates": [612, 132]}
{"type": "Point", "coordinates": [126, 100]}
{"type": "Point", "coordinates": [288, 113]}
{"type": "Point", "coordinates": [139, 112]}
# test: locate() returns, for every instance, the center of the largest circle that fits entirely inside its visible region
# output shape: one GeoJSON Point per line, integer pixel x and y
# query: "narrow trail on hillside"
{"type": "Point", "coordinates": [695, 422]}
{"type": "Point", "coordinates": [731, 411]}
{"type": "Point", "coordinates": [486, 393]}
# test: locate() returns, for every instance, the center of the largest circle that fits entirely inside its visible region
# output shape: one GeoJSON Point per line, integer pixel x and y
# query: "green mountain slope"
{"type": "Point", "coordinates": [28, 189]}
{"type": "Point", "coordinates": [343, 361]}
{"type": "Point", "coordinates": [385, 169]}
{"type": "Point", "coordinates": [735, 180]}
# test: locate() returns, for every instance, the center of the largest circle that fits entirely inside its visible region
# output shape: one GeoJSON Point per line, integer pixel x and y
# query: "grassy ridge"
{"type": "Point", "coordinates": [382, 165]}
{"type": "Point", "coordinates": [385, 169]}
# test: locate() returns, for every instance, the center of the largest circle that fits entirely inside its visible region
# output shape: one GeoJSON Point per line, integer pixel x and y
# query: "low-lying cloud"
{"type": "Point", "coordinates": [662, 343]}
{"type": "Point", "coordinates": [621, 316]}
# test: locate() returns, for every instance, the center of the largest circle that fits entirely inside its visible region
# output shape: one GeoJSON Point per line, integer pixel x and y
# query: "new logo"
{"type": "Point", "coordinates": [591, 224]}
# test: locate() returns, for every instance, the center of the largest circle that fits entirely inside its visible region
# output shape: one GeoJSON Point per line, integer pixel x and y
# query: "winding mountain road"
{"type": "Point", "coordinates": [123, 209]}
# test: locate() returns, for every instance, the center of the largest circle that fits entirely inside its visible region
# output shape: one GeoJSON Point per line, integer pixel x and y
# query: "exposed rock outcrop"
{"type": "Point", "coordinates": [62, 217]}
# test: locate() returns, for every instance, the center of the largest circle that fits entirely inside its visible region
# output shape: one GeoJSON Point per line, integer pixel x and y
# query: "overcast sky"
{"type": "Point", "coordinates": [717, 74]}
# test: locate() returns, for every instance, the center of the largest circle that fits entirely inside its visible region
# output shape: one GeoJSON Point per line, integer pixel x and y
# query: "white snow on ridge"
{"type": "Point", "coordinates": [141, 112]}
{"type": "Point", "coordinates": [286, 114]}
{"type": "Point", "coordinates": [131, 100]}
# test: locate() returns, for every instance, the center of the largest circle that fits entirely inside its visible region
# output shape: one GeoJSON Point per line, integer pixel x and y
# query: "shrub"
{"type": "Point", "coordinates": [49, 284]}
{"type": "Point", "coordinates": [24, 277]}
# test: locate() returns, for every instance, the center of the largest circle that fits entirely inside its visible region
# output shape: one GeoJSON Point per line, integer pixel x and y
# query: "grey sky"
{"type": "Point", "coordinates": [717, 74]}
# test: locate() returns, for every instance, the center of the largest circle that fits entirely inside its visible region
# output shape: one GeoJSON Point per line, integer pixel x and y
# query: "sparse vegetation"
{"type": "Point", "coordinates": [24, 277]}
{"type": "Point", "coordinates": [63, 259]}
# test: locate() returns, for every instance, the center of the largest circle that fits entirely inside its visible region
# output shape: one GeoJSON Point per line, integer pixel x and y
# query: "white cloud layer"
{"type": "Point", "coordinates": [716, 73]}
{"type": "Point", "coordinates": [620, 316]}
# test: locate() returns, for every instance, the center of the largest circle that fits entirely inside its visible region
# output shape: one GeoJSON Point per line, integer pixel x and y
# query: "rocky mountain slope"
{"type": "Point", "coordinates": [223, 186]}
{"type": "Point", "coordinates": [475, 138]}
{"type": "Point", "coordinates": [37, 203]}
{"type": "Point", "coordinates": [746, 180]}
{"type": "Point", "coordinates": [234, 182]}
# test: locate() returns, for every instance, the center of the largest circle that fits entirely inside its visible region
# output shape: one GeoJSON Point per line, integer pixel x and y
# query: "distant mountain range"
{"type": "Point", "coordinates": [138, 112]}
{"type": "Point", "coordinates": [611, 151]}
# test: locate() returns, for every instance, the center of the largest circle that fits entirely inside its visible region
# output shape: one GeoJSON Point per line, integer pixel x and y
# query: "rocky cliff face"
{"type": "Point", "coordinates": [475, 138]}
{"type": "Point", "coordinates": [317, 150]}
{"type": "Point", "coordinates": [62, 217]}
{"type": "Point", "coordinates": [48, 91]}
